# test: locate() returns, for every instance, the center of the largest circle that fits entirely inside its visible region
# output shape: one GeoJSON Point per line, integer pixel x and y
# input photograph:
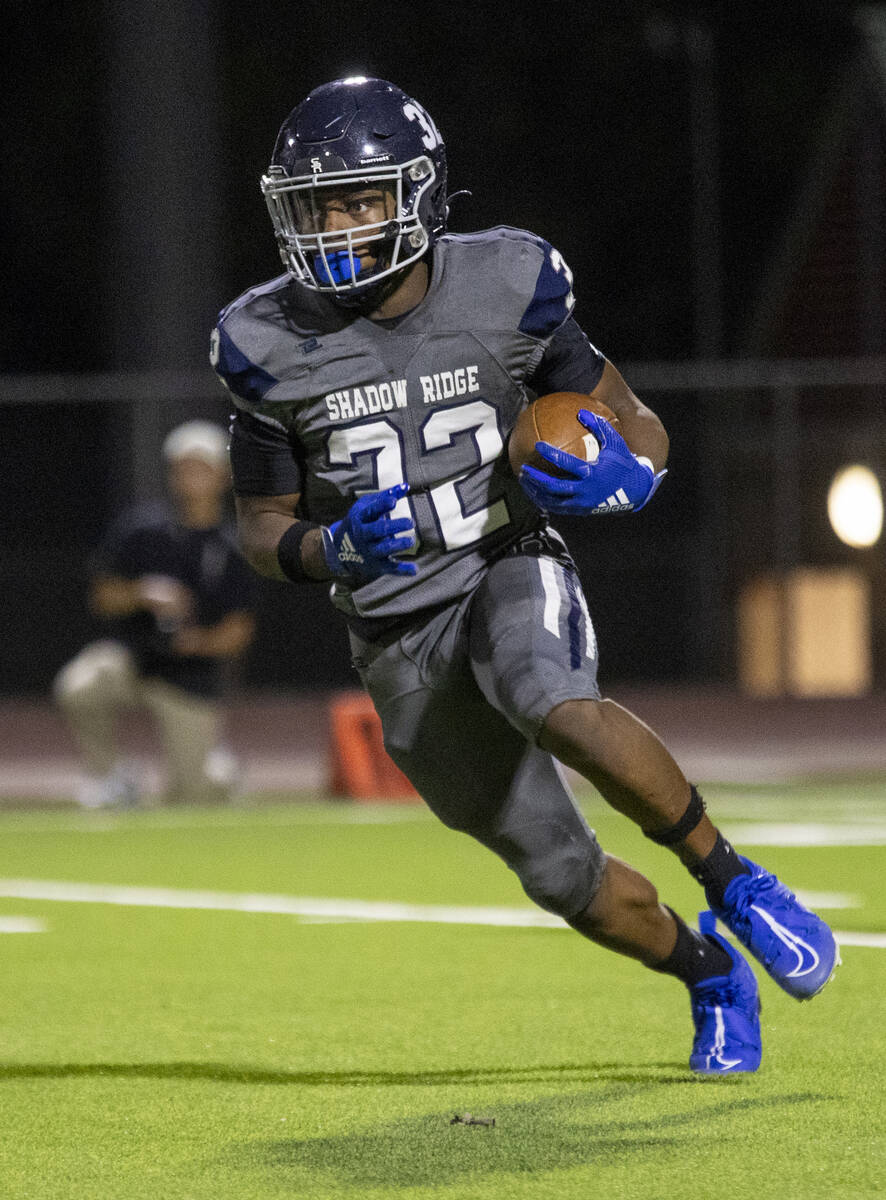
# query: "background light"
{"type": "Point", "coordinates": [855, 506]}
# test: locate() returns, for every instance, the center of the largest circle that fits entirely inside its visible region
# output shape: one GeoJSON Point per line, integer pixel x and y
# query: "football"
{"type": "Point", "coordinates": [554, 418]}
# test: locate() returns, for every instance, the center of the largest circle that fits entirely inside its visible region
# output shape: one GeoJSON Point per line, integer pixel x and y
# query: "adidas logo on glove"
{"type": "Point", "coordinates": [618, 502]}
{"type": "Point", "coordinates": [347, 551]}
{"type": "Point", "coordinates": [365, 541]}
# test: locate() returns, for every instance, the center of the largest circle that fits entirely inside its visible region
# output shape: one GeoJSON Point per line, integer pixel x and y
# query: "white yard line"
{"type": "Point", "coordinates": [808, 833]}
{"type": "Point", "coordinates": [113, 821]}
{"type": "Point", "coordinates": [875, 940]}
{"type": "Point", "coordinates": [257, 902]}
{"type": "Point", "coordinates": [323, 909]}
{"type": "Point", "coordinates": [745, 828]}
{"type": "Point", "coordinates": [22, 925]}
{"type": "Point", "coordinates": [829, 900]}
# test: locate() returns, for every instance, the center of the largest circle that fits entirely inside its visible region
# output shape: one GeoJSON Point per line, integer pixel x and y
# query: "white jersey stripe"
{"type": "Point", "coordinates": [590, 636]}
{"type": "Point", "coordinates": [553, 597]}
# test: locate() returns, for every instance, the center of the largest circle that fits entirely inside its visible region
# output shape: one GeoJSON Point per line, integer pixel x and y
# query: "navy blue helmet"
{"type": "Point", "coordinates": [360, 148]}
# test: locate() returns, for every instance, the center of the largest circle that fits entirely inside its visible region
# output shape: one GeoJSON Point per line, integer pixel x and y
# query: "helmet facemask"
{"type": "Point", "coordinates": [333, 260]}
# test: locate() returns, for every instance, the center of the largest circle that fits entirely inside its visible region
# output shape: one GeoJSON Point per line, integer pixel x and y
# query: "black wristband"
{"type": "Point", "coordinates": [289, 551]}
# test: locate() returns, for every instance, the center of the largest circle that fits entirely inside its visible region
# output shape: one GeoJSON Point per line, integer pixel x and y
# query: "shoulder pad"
{"type": "Point", "coordinates": [241, 341]}
{"type": "Point", "coordinates": [552, 301]}
{"type": "Point", "coordinates": [536, 268]}
{"type": "Point", "coordinates": [260, 334]}
{"type": "Point", "coordinates": [247, 380]}
{"type": "Point", "coordinates": [496, 235]}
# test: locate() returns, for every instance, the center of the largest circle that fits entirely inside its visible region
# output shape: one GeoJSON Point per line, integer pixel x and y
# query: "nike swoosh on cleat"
{"type": "Point", "coordinates": [794, 943]}
{"type": "Point", "coordinates": [725, 1063]}
{"type": "Point", "coordinates": [719, 1040]}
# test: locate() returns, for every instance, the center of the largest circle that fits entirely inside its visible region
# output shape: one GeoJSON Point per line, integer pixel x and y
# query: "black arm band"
{"type": "Point", "coordinates": [289, 551]}
{"type": "Point", "coordinates": [695, 810]}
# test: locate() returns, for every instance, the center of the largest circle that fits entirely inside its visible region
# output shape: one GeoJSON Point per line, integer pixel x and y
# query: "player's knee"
{"type": "Point", "coordinates": [559, 869]}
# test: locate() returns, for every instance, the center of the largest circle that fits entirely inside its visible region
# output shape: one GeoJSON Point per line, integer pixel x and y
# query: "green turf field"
{"type": "Point", "coordinates": [207, 1053]}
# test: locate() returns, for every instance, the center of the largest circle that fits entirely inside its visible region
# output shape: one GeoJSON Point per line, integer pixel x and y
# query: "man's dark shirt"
{"type": "Point", "coordinates": [150, 541]}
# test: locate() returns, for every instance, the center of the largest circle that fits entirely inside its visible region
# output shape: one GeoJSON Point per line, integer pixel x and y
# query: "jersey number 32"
{"type": "Point", "coordinates": [384, 441]}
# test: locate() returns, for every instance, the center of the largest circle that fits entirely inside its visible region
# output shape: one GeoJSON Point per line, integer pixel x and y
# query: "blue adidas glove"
{"type": "Point", "coordinates": [364, 541]}
{"type": "Point", "coordinates": [617, 482]}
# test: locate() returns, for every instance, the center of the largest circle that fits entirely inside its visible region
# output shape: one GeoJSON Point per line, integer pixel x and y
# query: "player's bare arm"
{"type": "Point", "coordinates": [262, 521]}
{"type": "Point", "coordinates": [362, 545]}
{"type": "Point", "coordinates": [640, 427]}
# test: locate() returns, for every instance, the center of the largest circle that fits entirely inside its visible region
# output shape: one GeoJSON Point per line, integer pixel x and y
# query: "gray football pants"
{"type": "Point", "coordinates": [94, 689]}
{"type": "Point", "coordinates": [462, 698]}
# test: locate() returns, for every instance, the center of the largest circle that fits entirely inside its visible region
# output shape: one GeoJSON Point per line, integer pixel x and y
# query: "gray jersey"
{"type": "Point", "coordinates": [430, 401]}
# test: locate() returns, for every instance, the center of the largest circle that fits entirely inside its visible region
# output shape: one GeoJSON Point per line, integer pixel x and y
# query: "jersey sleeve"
{"type": "Point", "coordinates": [247, 380]}
{"type": "Point", "coordinates": [552, 300]}
{"type": "Point", "coordinates": [570, 363]}
{"type": "Point", "coordinates": [264, 461]}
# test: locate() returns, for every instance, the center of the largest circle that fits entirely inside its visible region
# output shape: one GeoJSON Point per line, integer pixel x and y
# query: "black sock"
{"type": "Point", "coordinates": [715, 872]}
{"type": "Point", "coordinates": [694, 957]}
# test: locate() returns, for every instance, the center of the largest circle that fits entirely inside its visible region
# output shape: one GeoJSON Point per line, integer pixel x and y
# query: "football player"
{"type": "Point", "coordinates": [375, 384]}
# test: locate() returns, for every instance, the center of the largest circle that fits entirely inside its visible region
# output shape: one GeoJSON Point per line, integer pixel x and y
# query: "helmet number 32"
{"type": "Point", "coordinates": [430, 137]}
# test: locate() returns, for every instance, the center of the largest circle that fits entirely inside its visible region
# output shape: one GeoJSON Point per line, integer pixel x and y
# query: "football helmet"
{"type": "Point", "coordinates": [362, 148]}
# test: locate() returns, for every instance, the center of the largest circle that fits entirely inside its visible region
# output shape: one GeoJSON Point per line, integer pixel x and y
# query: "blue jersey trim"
{"type": "Point", "coordinates": [243, 377]}
{"type": "Point", "coordinates": [552, 301]}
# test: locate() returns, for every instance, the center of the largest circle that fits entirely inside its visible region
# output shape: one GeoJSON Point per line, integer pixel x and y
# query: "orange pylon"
{"type": "Point", "coordinates": [360, 767]}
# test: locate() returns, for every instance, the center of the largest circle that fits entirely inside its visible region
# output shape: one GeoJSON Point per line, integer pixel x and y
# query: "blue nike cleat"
{"type": "Point", "coordinates": [726, 1014]}
{"type": "Point", "coordinates": [793, 944]}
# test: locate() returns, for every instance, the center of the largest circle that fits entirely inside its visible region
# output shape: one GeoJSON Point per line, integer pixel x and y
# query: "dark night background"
{"type": "Point", "coordinates": [568, 119]}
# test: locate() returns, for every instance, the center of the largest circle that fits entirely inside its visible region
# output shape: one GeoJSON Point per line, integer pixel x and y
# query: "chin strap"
{"type": "Point", "coordinates": [454, 196]}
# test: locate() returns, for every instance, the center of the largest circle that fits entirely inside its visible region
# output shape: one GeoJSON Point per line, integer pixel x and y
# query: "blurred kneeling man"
{"type": "Point", "coordinates": [178, 598]}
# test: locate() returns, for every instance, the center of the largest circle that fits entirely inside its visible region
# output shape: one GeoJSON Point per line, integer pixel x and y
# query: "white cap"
{"type": "Point", "coordinates": [198, 439]}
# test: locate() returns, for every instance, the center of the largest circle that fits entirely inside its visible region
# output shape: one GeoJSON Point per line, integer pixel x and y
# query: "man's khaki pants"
{"type": "Point", "coordinates": [96, 687]}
